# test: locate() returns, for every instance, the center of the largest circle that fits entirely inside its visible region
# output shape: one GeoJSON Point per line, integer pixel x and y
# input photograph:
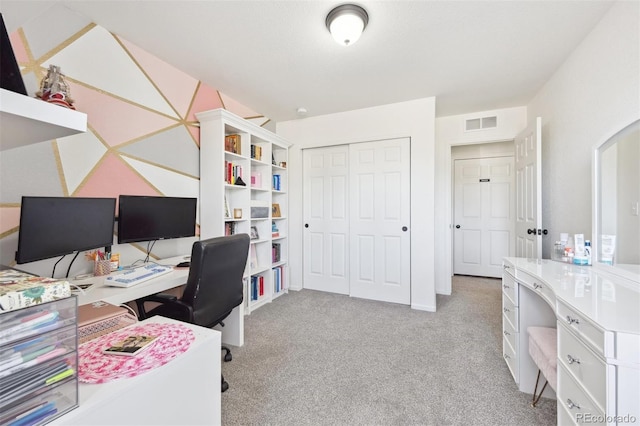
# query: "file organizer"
{"type": "Point", "coordinates": [38, 362]}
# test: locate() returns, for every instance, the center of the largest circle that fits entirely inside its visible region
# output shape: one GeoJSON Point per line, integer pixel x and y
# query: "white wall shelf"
{"type": "Point", "coordinates": [28, 120]}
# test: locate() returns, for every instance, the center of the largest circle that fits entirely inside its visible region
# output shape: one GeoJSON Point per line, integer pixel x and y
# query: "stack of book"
{"type": "Point", "coordinates": [232, 144]}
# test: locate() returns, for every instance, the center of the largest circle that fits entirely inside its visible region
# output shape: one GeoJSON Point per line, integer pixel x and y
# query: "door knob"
{"type": "Point", "coordinates": [457, 226]}
{"type": "Point", "coordinates": [404, 229]}
{"type": "Point", "coordinates": [306, 225]}
{"type": "Point", "coordinates": [531, 231]}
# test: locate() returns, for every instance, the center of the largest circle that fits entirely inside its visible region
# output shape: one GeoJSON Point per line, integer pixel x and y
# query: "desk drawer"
{"type": "Point", "coordinates": [572, 397]}
{"type": "Point", "coordinates": [509, 287]}
{"type": "Point", "coordinates": [509, 355]}
{"type": "Point", "coordinates": [509, 332]}
{"type": "Point", "coordinates": [510, 311]}
{"type": "Point", "coordinates": [589, 370]}
{"type": "Point", "coordinates": [583, 328]}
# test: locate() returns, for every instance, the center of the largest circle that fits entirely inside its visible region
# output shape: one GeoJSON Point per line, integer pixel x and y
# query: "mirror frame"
{"type": "Point", "coordinates": [596, 212]}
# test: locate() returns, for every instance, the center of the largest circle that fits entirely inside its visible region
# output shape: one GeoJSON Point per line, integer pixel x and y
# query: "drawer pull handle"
{"type": "Point", "coordinates": [506, 356]}
{"type": "Point", "coordinates": [505, 286]}
{"type": "Point", "coordinates": [506, 309]}
{"type": "Point", "coordinates": [536, 286]}
{"type": "Point", "coordinates": [572, 360]}
{"type": "Point", "coordinates": [506, 333]}
{"type": "Point", "coordinates": [572, 404]}
{"type": "Point", "coordinates": [572, 320]}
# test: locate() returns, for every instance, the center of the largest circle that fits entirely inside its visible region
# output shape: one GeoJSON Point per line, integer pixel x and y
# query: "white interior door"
{"type": "Point", "coordinates": [528, 191]}
{"type": "Point", "coordinates": [484, 210]}
{"type": "Point", "coordinates": [379, 220]}
{"type": "Point", "coordinates": [326, 219]}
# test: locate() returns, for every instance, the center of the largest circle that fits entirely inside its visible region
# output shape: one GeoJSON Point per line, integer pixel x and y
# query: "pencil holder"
{"type": "Point", "coordinates": [101, 267]}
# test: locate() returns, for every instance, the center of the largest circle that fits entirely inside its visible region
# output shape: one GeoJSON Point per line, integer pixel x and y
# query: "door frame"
{"type": "Point", "coordinates": [443, 283]}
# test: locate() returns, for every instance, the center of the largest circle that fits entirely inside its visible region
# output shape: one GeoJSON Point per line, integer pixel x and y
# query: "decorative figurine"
{"type": "Point", "coordinates": [54, 89]}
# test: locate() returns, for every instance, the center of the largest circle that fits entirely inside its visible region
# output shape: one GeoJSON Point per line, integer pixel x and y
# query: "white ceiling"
{"type": "Point", "coordinates": [276, 56]}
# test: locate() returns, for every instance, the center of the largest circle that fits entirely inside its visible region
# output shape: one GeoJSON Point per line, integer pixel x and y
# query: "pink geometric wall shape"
{"type": "Point", "coordinates": [205, 99]}
{"type": "Point", "coordinates": [9, 218]}
{"type": "Point", "coordinates": [114, 120]}
{"type": "Point", "coordinates": [113, 177]}
{"type": "Point", "coordinates": [18, 48]}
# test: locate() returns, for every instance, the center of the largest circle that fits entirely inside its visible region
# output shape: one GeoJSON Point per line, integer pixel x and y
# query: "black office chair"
{"type": "Point", "coordinates": [213, 289]}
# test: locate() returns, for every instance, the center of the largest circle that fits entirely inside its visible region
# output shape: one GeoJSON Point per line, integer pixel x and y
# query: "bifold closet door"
{"type": "Point", "coordinates": [379, 228]}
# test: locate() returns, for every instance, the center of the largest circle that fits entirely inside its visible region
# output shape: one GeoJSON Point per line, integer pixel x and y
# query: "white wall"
{"type": "Point", "coordinates": [414, 119]}
{"type": "Point", "coordinates": [594, 94]}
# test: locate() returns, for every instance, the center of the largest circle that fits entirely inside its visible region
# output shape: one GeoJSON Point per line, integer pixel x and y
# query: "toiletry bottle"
{"type": "Point", "coordinates": [587, 251]}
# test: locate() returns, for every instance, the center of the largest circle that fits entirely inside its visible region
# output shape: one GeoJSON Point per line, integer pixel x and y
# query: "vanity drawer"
{"type": "Point", "coordinates": [509, 332]}
{"type": "Point", "coordinates": [509, 287]}
{"type": "Point", "coordinates": [583, 328]}
{"type": "Point", "coordinates": [587, 368]}
{"type": "Point", "coordinates": [573, 398]}
{"type": "Point", "coordinates": [510, 311]}
{"type": "Point", "coordinates": [509, 355]}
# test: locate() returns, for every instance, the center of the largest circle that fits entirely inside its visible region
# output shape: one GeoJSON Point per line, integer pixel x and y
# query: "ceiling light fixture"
{"type": "Point", "coordinates": [346, 23]}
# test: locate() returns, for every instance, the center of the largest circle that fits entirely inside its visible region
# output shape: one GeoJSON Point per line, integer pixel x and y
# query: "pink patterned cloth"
{"type": "Point", "coordinates": [96, 367]}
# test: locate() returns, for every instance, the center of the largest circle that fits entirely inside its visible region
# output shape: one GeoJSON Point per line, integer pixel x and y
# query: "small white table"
{"type": "Point", "coordinates": [184, 391]}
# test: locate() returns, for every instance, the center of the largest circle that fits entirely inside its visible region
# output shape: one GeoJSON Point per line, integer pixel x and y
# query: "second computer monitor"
{"type": "Point", "coordinates": [150, 218]}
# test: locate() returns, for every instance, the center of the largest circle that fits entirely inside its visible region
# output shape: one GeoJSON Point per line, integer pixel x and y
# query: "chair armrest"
{"type": "Point", "coordinates": [158, 298]}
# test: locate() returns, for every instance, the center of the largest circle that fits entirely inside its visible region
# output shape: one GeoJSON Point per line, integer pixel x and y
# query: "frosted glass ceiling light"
{"type": "Point", "coordinates": [346, 23]}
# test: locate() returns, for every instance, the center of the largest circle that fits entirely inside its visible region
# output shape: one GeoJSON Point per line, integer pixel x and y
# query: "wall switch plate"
{"type": "Point", "coordinates": [635, 208]}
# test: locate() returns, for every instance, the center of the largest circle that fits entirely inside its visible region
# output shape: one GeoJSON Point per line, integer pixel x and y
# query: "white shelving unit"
{"type": "Point", "coordinates": [28, 120]}
{"type": "Point", "coordinates": [260, 159]}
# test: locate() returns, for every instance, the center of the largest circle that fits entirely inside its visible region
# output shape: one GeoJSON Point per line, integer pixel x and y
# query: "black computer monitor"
{"type": "Point", "coordinates": [55, 226]}
{"type": "Point", "coordinates": [148, 218]}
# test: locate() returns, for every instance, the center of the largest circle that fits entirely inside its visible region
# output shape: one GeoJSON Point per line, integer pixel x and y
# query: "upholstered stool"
{"type": "Point", "coordinates": [543, 349]}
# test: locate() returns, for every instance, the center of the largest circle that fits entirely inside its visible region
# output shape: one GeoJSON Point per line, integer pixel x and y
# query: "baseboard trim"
{"type": "Point", "coordinates": [428, 308]}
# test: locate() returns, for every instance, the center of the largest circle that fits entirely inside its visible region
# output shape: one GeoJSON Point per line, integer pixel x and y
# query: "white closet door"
{"type": "Point", "coordinates": [326, 219]}
{"type": "Point", "coordinates": [379, 220]}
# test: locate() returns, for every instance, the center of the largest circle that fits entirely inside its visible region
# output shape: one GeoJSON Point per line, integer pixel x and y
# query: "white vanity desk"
{"type": "Point", "coordinates": [597, 316]}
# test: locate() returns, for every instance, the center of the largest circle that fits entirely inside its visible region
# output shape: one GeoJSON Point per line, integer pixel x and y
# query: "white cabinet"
{"type": "Point", "coordinates": [231, 147]}
{"type": "Point", "coordinates": [28, 120]}
{"type": "Point", "coordinates": [598, 323]}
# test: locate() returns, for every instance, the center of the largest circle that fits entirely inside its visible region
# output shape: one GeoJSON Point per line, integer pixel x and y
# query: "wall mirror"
{"type": "Point", "coordinates": [616, 197]}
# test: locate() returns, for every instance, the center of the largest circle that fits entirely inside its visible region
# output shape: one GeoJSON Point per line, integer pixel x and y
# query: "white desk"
{"type": "Point", "coordinates": [185, 391]}
{"type": "Point", "coordinates": [232, 332]}
{"type": "Point", "coordinates": [597, 316]}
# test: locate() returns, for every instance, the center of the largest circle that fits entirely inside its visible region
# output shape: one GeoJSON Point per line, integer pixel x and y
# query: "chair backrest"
{"type": "Point", "coordinates": [215, 285]}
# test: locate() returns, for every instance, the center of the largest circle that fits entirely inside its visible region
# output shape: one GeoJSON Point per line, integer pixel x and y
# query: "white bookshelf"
{"type": "Point", "coordinates": [265, 278]}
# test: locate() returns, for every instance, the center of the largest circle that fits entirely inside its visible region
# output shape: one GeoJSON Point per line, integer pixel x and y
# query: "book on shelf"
{"type": "Point", "coordinates": [256, 179]}
{"type": "Point", "coordinates": [275, 252]}
{"type": "Point", "coordinates": [229, 228]}
{"type": "Point", "coordinates": [278, 279]}
{"type": "Point", "coordinates": [233, 172]}
{"type": "Point", "coordinates": [257, 287]}
{"type": "Point", "coordinates": [232, 143]}
{"type": "Point", "coordinates": [275, 232]}
{"type": "Point", "coordinates": [256, 152]}
{"type": "Point", "coordinates": [276, 182]}
{"type": "Point", "coordinates": [130, 345]}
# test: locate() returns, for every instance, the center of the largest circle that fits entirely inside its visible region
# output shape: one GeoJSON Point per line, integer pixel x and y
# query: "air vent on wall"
{"type": "Point", "coordinates": [480, 123]}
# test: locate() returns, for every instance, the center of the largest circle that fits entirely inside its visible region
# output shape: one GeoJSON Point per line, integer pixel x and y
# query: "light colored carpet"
{"type": "Point", "coordinates": [315, 358]}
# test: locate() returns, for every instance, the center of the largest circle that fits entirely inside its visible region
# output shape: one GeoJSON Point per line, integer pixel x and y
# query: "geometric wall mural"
{"type": "Point", "coordinates": [142, 137]}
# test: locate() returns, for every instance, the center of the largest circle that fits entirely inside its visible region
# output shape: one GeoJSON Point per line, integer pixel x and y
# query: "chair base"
{"type": "Point", "coordinates": [225, 385]}
{"type": "Point", "coordinates": [227, 354]}
{"type": "Point", "coordinates": [535, 398]}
